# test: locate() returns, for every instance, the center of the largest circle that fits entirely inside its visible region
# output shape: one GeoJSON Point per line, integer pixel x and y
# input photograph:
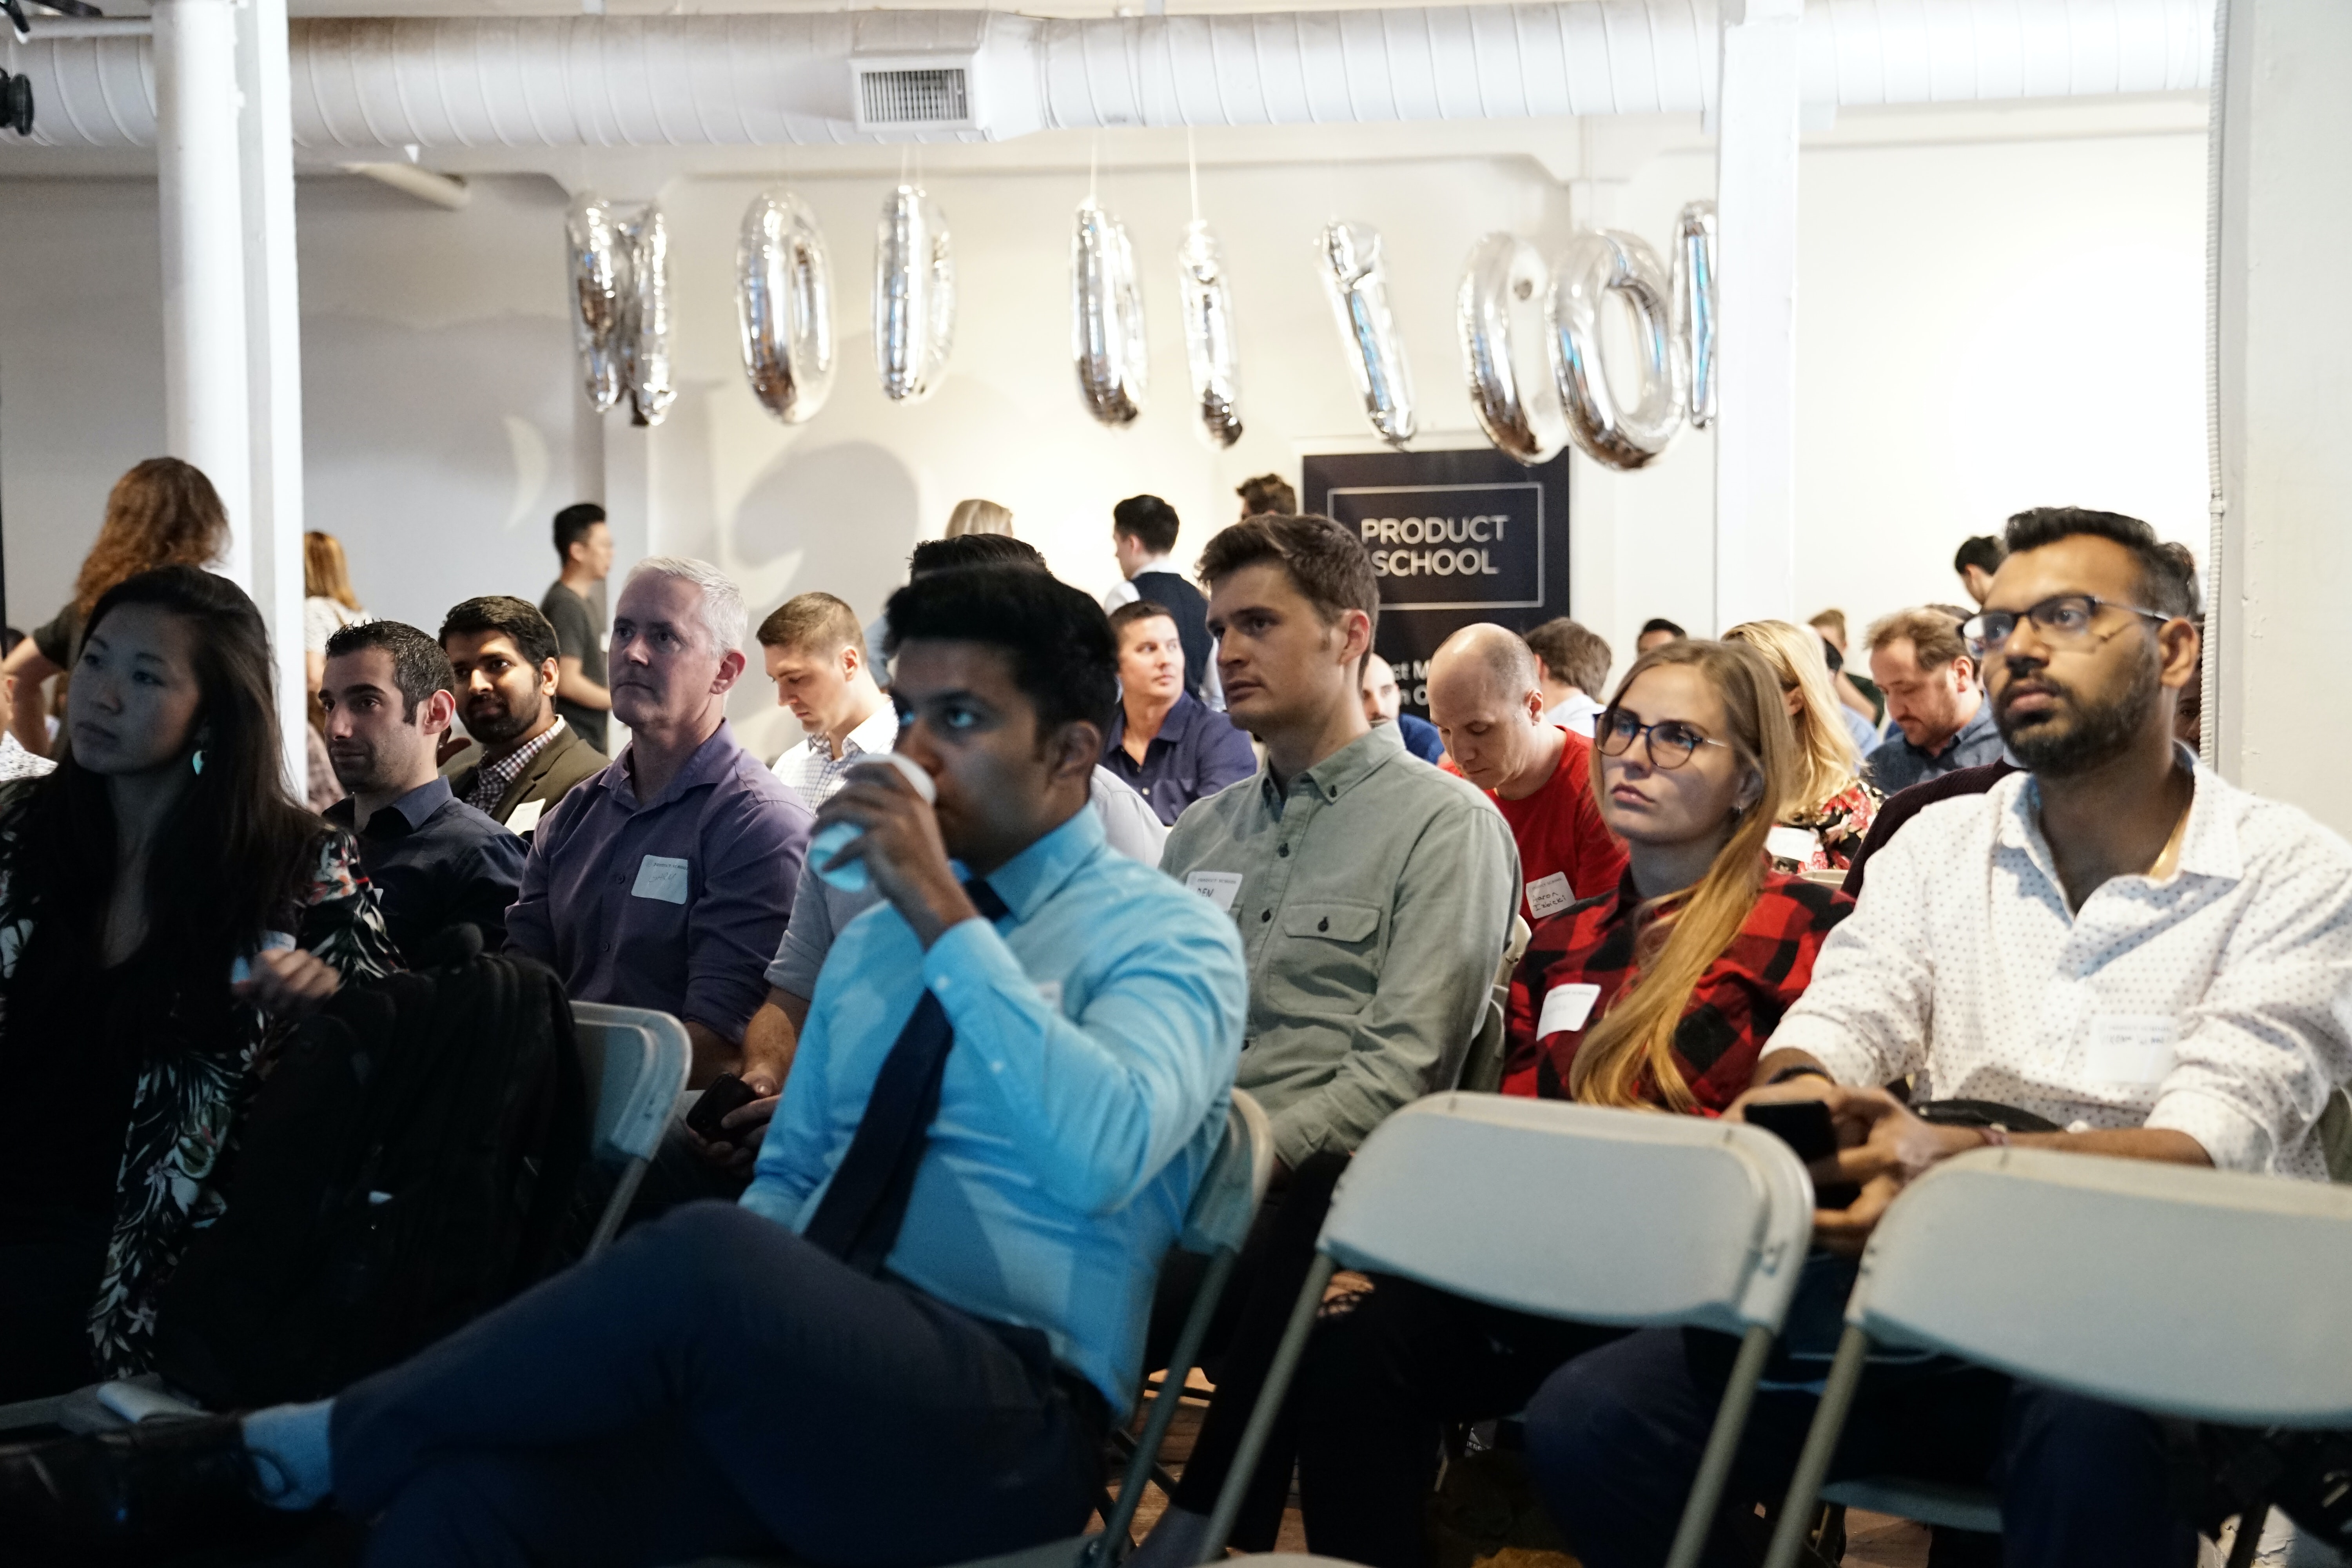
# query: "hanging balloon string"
{"type": "Point", "coordinates": [1192, 173]}
{"type": "Point", "coordinates": [1094, 156]}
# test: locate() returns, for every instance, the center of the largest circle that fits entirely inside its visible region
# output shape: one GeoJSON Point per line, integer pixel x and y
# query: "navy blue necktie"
{"type": "Point", "coordinates": [859, 1219]}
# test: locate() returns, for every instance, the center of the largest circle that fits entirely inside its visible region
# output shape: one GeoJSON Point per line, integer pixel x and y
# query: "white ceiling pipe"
{"type": "Point", "coordinates": [784, 78]}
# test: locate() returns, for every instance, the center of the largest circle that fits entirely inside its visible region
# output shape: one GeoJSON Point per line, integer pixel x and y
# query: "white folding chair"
{"type": "Point", "coordinates": [2206, 1295]}
{"type": "Point", "coordinates": [1482, 1068]}
{"type": "Point", "coordinates": [635, 1062]}
{"type": "Point", "coordinates": [1555, 1209]}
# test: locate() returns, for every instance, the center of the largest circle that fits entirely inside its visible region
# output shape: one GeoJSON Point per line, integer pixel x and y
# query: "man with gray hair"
{"type": "Point", "coordinates": [666, 880]}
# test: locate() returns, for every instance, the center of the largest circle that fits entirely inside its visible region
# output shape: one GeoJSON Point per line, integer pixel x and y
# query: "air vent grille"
{"type": "Point", "coordinates": [928, 97]}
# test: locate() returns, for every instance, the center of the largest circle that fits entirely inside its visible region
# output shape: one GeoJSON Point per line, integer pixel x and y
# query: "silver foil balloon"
{"type": "Point", "coordinates": [1693, 309]}
{"type": "Point", "coordinates": [1107, 318]}
{"type": "Point", "coordinates": [644, 342]}
{"type": "Point", "coordinates": [599, 255]}
{"type": "Point", "coordinates": [1498, 313]}
{"type": "Point", "coordinates": [1359, 287]}
{"type": "Point", "coordinates": [1208, 351]}
{"type": "Point", "coordinates": [784, 303]}
{"type": "Point", "coordinates": [1596, 264]}
{"type": "Point", "coordinates": [914, 295]}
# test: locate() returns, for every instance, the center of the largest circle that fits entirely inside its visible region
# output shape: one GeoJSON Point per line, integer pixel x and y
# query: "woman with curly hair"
{"type": "Point", "coordinates": [164, 513]}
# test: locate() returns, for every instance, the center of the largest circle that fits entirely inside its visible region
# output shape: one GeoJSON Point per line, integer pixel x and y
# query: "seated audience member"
{"type": "Point", "coordinates": [1267, 494]}
{"type": "Point", "coordinates": [1164, 742]}
{"type": "Point", "coordinates": [1656, 632]}
{"type": "Point", "coordinates": [1901, 807]}
{"type": "Point", "coordinates": [816, 656]}
{"type": "Point", "coordinates": [1374, 895]}
{"type": "Point", "coordinates": [15, 761]}
{"type": "Point", "coordinates": [1014, 1076]}
{"type": "Point", "coordinates": [1691, 755]}
{"type": "Point", "coordinates": [162, 860]}
{"type": "Point", "coordinates": [1856, 692]}
{"type": "Point", "coordinates": [1975, 562]}
{"type": "Point", "coordinates": [1935, 695]}
{"type": "Point", "coordinates": [1384, 704]}
{"type": "Point", "coordinates": [665, 881]}
{"type": "Point", "coordinates": [2119, 943]}
{"type": "Point", "coordinates": [1823, 825]}
{"type": "Point", "coordinates": [1484, 694]}
{"type": "Point", "coordinates": [1143, 537]}
{"type": "Point", "coordinates": [524, 756]}
{"type": "Point", "coordinates": [389, 697]}
{"type": "Point", "coordinates": [1572, 663]}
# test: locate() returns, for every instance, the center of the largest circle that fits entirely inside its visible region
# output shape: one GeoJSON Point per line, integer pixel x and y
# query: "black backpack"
{"type": "Point", "coordinates": [405, 1168]}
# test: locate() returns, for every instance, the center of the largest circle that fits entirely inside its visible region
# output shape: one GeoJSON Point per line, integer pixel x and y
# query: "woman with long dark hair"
{"type": "Point", "coordinates": [166, 913]}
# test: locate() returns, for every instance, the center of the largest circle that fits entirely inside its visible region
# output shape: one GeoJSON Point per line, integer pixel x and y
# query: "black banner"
{"type": "Point", "coordinates": [1456, 537]}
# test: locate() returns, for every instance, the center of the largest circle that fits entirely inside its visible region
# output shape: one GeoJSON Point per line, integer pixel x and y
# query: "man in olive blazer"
{"type": "Point", "coordinates": [522, 757]}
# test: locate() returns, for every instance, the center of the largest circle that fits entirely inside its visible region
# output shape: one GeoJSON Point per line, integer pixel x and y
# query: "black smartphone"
{"type": "Point", "coordinates": [727, 1093]}
{"type": "Point", "coordinates": [1804, 1126]}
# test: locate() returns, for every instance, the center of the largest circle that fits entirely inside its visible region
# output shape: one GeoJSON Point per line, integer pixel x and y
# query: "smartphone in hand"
{"type": "Point", "coordinates": [725, 1095]}
{"type": "Point", "coordinates": [1804, 1125]}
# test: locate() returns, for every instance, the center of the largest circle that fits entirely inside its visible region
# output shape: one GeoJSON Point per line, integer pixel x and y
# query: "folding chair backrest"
{"type": "Point", "coordinates": [2210, 1295]}
{"type": "Point", "coordinates": [1605, 1217]}
{"type": "Point", "coordinates": [635, 1061]}
{"type": "Point", "coordinates": [1227, 1198]}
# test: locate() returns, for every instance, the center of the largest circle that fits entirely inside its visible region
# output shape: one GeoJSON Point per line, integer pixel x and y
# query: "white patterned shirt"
{"type": "Point", "coordinates": [811, 767]}
{"type": "Point", "coordinates": [2216, 1003]}
{"type": "Point", "coordinates": [16, 762]}
{"type": "Point", "coordinates": [490, 782]}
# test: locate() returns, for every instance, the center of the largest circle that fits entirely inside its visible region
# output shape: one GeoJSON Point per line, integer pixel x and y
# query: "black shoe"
{"type": "Point", "coordinates": [160, 1490]}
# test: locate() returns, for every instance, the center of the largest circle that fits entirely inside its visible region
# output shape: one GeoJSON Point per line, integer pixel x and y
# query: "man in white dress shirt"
{"type": "Point", "coordinates": [2118, 944]}
{"type": "Point", "coordinates": [817, 658]}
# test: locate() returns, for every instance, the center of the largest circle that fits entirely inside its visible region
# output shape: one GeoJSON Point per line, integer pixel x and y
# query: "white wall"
{"type": "Point", "coordinates": [1982, 326]}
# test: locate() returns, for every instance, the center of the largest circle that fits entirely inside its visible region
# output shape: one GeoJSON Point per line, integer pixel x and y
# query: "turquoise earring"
{"type": "Point", "coordinates": [197, 761]}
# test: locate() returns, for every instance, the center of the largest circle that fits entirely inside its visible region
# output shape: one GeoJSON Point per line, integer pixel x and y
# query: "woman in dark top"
{"type": "Point", "coordinates": [164, 513]}
{"type": "Point", "coordinates": [166, 911]}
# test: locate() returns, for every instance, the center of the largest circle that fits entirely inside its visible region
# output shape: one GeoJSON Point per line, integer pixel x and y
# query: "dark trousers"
{"type": "Point", "coordinates": [49, 1281]}
{"type": "Point", "coordinates": [1380, 1383]}
{"type": "Point", "coordinates": [1614, 1437]}
{"type": "Point", "coordinates": [714, 1383]}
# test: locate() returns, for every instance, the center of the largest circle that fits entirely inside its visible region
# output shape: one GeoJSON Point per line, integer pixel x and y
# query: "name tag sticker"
{"type": "Point", "coordinates": [1219, 888]}
{"type": "Point", "coordinates": [661, 877]}
{"type": "Point", "coordinates": [1566, 1008]}
{"type": "Point", "coordinates": [1790, 843]}
{"type": "Point", "coordinates": [2131, 1048]}
{"type": "Point", "coordinates": [1549, 895]}
{"type": "Point", "coordinates": [526, 817]}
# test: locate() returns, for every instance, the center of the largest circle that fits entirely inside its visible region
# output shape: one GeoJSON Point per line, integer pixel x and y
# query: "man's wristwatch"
{"type": "Point", "coordinates": [1995, 1135]}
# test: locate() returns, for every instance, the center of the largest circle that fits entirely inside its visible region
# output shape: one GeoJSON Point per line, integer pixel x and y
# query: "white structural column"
{"type": "Point", "coordinates": [207, 416]}
{"type": "Point", "coordinates": [2285, 382]}
{"type": "Point", "coordinates": [273, 524]}
{"type": "Point", "coordinates": [1756, 282]}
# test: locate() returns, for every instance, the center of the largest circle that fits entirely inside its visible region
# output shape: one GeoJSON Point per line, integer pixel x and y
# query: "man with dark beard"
{"type": "Point", "coordinates": [524, 757]}
{"type": "Point", "coordinates": [2140, 959]}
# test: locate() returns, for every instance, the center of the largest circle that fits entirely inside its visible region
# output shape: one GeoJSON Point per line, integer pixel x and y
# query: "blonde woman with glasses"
{"type": "Point", "coordinates": [1829, 808]}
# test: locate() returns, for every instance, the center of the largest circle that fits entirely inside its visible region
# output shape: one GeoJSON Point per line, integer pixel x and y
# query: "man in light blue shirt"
{"type": "Point", "coordinates": [1015, 1073]}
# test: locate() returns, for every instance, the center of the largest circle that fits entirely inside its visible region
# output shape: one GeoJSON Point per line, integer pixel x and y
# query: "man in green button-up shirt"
{"type": "Point", "coordinates": [1373, 892]}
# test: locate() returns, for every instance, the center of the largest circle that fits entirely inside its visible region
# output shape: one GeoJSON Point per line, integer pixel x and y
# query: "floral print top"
{"type": "Point", "coordinates": [1838, 827]}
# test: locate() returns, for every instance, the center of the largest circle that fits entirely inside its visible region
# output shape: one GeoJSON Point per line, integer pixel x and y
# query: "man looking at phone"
{"type": "Point", "coordinates": [2118, 944]}
{"type": "Point", "coordinates": [1013, 1079]}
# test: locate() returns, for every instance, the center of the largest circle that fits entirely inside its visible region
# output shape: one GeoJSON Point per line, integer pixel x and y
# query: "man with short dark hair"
{"type": "Point", "coordinates": [1572, 667]}
{"type": "Point", "coordinates": [1165, 743]}
{"type": "Point", "coordinates": [1933, 696]}
{"type": "Point", "coordinates": [1384, 704]}
{"type": "Point", "coordinates": [1015, 1076]}
{"type": "Point", "coordinates": [435, 862]}
{"type": "Point", "coordinates": [1267, 494]}
{"type": "Point", "coordinates": [1143, 537]}
{"type": "Point", "coordinates": [1975, 562]}
{"type": "Point", "coordinates": [1656, 632]}
{"type": "Point", "coordinates": [574, 606]}
{"type": "Point", "coordinates": [816, 656]}
{"type": "Point", "coordinates": [523, 756]}
{"type": "Point", "coordinates": [2119, 947]}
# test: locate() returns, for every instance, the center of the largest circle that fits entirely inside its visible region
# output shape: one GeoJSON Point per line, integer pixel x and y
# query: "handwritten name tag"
{"type": "Point", "coordinates": [2131, 1048]}
{"type": "Point", "coordinates": [1549, 895]}
{"type": "Point", "coordinates": [526, 817]}
{"type": "Point", "coordinates": [661, 877]}
{"type": "Point", "coordinates": [1219, 888]}
{"type": "Point", "coordinates": [1566, 1008]}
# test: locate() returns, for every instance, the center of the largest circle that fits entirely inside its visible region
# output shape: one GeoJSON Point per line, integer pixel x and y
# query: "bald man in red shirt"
{"type": "Point", "coordinates": [1487, 698]}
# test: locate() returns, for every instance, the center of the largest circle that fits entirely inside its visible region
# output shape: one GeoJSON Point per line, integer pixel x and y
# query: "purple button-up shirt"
{"type": "Point", "coordinates": [676, 903]}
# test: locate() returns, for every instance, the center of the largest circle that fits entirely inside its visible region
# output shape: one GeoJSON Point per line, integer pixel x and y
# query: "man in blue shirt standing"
{"type": "Point", "coordinates": [1014, 1074]}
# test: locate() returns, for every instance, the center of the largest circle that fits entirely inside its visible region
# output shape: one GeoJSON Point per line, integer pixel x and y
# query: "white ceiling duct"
{"type": "Point", "coordinates": [367, 85]}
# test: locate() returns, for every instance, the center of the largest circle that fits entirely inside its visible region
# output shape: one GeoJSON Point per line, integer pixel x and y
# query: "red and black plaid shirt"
{"type": "Point", "coordinates": [1733, 1009]}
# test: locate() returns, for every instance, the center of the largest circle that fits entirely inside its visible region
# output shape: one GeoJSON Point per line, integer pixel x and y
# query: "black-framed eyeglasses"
{"type": "Point", "coordinates": [1670, 742]}
{"type": "Point", "coordinates": [2061, 618]}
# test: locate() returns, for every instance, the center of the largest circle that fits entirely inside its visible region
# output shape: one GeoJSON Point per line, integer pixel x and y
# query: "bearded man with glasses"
{"type": "Point", "coordinates": [2122, 952]}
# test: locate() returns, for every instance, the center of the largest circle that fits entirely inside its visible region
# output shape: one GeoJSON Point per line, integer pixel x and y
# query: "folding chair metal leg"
{"type": "Point", "coordinates": [1821, 1446]}
{"type": "Point", "coordinates": [1112, 1543]}
{"type": "Point", "coordinates": [1270, 1406]}
{"type": "Point", "coordinates": [615, 1206]}
{"type": "Point", "coordinates": [1722, 1446]}
{"type": "Point", "coordinates": [2250, 1536]}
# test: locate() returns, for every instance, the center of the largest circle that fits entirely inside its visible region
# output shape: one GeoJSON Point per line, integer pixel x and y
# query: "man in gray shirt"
{"type": "Point", "coordinates": [574, 606]}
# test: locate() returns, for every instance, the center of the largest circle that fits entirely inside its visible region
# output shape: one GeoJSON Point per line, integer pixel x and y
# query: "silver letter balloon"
{"type": "Point", "coordinates": [1693, 296]}
{"type": "Point", "coordinates": [784, 303]}
{"type": "Point", "coordinates": [914, 295]}
{"type": "Point", "coordinates": [601, 294]}
{"type": "Point", "coordinates": [645, 342]}
{"type": "Point", "coordinates": [1596, 264]}
{"type": "Point", "coordinates": [1359, 287]}
{"type": "Point", "coordinates": [1208, 351]}
{"type": "Point", "coordinates": [1499, 315]}
{"type": "Point", "coordinates": [1107, 318]}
